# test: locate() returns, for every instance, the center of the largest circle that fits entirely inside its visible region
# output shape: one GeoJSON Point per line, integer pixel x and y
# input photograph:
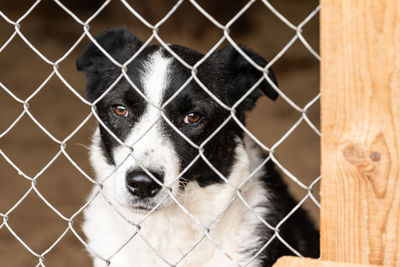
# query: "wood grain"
{"type": "Point", "coordinates": [305, 262]}
{"type": "Point", "coordinates": [360, 120]}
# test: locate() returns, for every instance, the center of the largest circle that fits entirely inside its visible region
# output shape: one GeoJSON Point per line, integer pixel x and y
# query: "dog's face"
{"type": "Point", "coordinates": [161, 126]}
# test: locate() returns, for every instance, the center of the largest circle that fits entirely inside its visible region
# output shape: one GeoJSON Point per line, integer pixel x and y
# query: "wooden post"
{"type": "Point", "coordinates": [304, 262]}
{"type": "Point", "coordinates": [360, 118]}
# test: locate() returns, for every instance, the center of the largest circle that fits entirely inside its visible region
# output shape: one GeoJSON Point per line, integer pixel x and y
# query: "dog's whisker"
{"type": "Point", "coordinates": [83, 145]}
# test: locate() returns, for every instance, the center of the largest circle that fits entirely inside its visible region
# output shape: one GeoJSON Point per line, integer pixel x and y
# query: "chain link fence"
{"type": "Point", "coordinates": [34, 180]}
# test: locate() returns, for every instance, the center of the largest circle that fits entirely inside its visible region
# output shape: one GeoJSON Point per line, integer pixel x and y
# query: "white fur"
{"type": "Point", "coordinates": [169, 230]}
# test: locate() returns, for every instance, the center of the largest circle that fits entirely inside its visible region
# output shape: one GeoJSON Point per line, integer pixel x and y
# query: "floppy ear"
{"type": "Point", "coordinates": [120, 43]}
{"type": "Point", "coordinates": [241, 75]}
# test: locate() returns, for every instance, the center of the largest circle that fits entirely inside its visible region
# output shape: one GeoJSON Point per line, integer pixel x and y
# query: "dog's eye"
{"type": "Point", "coordinates": [192, 117]}
{"type": "Point", "coordinates": [120, 110]}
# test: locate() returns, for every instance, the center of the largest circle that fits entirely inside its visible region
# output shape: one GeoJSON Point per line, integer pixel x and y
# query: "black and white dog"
{"type": "Point", "coordinates": [235, 235]}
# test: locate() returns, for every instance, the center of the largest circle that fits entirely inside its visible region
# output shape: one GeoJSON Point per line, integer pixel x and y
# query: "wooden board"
{"type": "Point", "coordinates": [305, 262]}
{"type": "Point", "coordinates": [360, 119]}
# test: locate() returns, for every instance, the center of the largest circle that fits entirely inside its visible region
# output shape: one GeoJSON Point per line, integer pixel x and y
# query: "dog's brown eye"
{"type": "Point", "coordinates": [192, 118]}
{"type": "Point", "coordinates": [120, 110]}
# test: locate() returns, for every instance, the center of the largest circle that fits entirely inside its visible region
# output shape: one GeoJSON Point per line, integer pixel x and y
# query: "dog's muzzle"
{"type": "Point", "coordinates": [142, 185]}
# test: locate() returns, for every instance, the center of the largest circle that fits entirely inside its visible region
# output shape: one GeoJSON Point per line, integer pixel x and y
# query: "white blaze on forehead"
{"type": "Point", "coordinates": [154, 81]}
{"type": "Point", "coordinates": [154, 78]}
{"type": "Point", "coordinates": [151, 148]}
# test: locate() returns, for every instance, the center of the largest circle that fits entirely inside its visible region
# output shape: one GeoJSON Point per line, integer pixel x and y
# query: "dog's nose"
{"type": "Point", "coordinates": [142, 185]}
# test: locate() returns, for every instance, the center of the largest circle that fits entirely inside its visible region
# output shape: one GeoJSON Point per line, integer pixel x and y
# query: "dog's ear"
{"type": "Point", "coordinates": [120, 43]}
{"type": "Point", "coordinates": [241, 75]}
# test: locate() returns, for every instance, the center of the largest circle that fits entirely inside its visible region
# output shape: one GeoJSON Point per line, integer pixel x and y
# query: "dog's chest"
{"type": "Point", "coordinates": [186, 245]}
{"type": "Point", "coordinates": [162, 239]}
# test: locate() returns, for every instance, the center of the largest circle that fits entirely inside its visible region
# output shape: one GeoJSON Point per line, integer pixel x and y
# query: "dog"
{"type": "Point", "coordinates": [179, 178]}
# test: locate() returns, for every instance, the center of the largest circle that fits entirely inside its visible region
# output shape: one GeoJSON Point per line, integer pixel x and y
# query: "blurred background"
{"type": "Point", "coordinates": [53, 32]}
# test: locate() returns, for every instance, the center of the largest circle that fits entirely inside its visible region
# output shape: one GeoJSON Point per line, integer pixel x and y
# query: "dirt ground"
{"type": "Point", "coordinates": [53, 32]}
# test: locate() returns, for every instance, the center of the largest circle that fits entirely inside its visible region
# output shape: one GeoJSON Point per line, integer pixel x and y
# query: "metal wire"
{"type": "Point", "coordinates": [225, 36]}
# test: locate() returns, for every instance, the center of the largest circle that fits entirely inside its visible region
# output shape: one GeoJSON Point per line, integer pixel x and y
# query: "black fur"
{"type": "Point", "coordinates": [242, 75]}
{"type": "Point", "coordinates": [228, 76]}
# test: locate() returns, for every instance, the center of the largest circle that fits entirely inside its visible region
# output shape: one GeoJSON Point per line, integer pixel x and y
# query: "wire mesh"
{"type": "Point", "coordinates": [62, 143]}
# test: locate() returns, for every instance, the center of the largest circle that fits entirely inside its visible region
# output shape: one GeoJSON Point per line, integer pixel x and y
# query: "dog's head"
{"type": "Point", "coordinates": [166, 116]}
